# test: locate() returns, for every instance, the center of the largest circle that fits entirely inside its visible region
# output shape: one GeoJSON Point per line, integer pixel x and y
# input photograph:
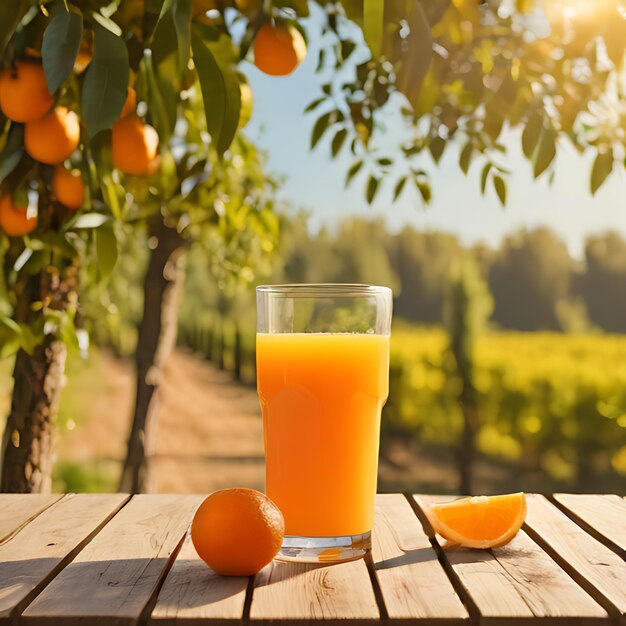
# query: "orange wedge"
{"type": "Point", "coordinates": [479, 521]}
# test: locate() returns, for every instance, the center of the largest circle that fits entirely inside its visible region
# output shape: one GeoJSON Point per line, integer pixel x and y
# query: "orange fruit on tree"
{"type": "Point", "coordinates": [54, 137]}
{"type": "Point", "coordinates": [237, 532]}
{"type": "Point", "coordinates": [68, 188]}
{"type": "Point", "coordinates": [134, 146]}
{"type": "Point", "coordinates": [24, 94]}
{"type": "Point", "coordinates": [278, 50]}
{"type": "Point", "coordinates": [14, 220]}
{"type": "Point", "coordinates": [130, 104]}
{"type": "Point", "coordinates": [479, 521]}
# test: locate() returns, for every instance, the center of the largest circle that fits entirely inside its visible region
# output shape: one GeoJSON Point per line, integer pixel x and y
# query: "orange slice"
{"type": "Point", "coordinates": [479, 521]}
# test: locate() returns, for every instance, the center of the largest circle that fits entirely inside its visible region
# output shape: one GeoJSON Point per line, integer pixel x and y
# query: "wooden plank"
{"type": "Point", "coordinates": [590, 563]}
{"type": "Point", "coordinates": [192, 593]}
{"type": "Point", "coordinates": [113, 580]}
{"type": "Point", "coordinates": [297, 592]}
{"type": "Point", "coordinates": [33, 555]}
{"type": "Point", "coordinates": [412, 581]}
{"type": "Point", "coordinates": [519, 582]}
{"type": "Point", "coordinates": [17, 509]}
{"type": "Point", "coordinates": [602, 515]}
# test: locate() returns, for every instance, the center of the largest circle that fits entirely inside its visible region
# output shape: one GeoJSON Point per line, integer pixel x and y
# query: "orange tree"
{"type": "Point", "coordinates": [71, 136]}
{"type": "Point", "coordinates": [468, 72]}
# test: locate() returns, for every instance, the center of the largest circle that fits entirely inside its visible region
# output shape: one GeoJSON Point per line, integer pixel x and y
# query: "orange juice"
{"type": "Point", "coordinates": [321, 396]}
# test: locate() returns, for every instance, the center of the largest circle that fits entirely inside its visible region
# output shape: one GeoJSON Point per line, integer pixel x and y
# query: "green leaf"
{"type": "Point", "coordinates": [466, 156]}
{"type": "Point", "coordinates": [531, 134]}
{"type": "Point", "coordinates": [11, 13]}
{"type": "Point", "coordinates": [181, 15]}
{"type": "Point", "coordinates": [338, 141]}
{"type": "Point", "coordinates": [220, 92]}
{"type": "Point", "coordinates": [545, 152]}
{"type": "Point", "coordinates": [385, 162]}
{"type": "Point", "coordinates": [89, 220]}
{"type": "Point", "coordinates": [483, 177]}
{"type": "Point", "coordinates": [373, 22]}
{"type": "Point", "coordinates": [353, 171]}
{"type": "Point", "coordinates": [399, 187]}
{"type": "Point", "coordinates": [106, 82]}
{"type": "Point", "coordinates": [13, 150]}
{"type": "Point", "coordinates": [602, 167]}
{"type": "Point", "coordinates": [415, 60]}
{"type": "Point", "coordinates": [319, 128]}
{"type": "Point", "coordinates": [500, 187]}
{"type": "Point", "coordinates": [106, 249]}
{"type": "Point", "coordinates": [61, 42]}
{"type": "Point", "coordinates": [313, 105]}
{"type": "Point", "coordinates": [165, 39]}
{"type": "Point", "coordinates": [436, 146]}
{"type": "Point", "coordinates": [372, 188]}
{"type": "Point", "coordinates": [424, 188]}
{"type": "Point", "coordinates": [182, 22]}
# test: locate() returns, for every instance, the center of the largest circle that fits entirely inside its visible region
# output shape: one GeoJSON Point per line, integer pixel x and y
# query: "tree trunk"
{"type": "Point", "coordinates": [28, 436]}
{"type": "Point", "coordinates": [156, 339]}
{"type": "Point", "coordinates": [238, 354]}
{"type": "Point", "coordinates": [467, 448]}
{"type": "Point", "coordinates": [28, 444]}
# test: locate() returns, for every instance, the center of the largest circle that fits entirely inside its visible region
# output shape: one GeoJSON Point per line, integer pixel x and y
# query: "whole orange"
{"type": "Point", "coordinates": [24, 94]}
{"type": "Point", "coordinates": [130, 104]}
{"type": "Point", "coordinates": [68, 188]}
{"type": "Point", "coordinates": [14, 220]}
{"type": "Point", "coordinates": [237, 532]}
{"type": "Point", "coordinates": [278, 50]}
{"type": "Point", "coordinates": [134, 146]}
{"type": "Point", "coordinates": [54, 137]}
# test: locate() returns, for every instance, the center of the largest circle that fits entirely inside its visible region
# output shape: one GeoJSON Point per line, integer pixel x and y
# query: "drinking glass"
{"type": "Point", "coordinates": [323, 378]}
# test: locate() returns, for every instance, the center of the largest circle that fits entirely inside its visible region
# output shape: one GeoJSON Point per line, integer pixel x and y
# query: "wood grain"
{"type": "Point", "coordinates": [412, 581]}
{"type": "Point", "coordinates": [295, 592]}
{"type": "Point", "coordinates": [33, 555]}
{"type": "Point", "coordinates": [115, 577]}
{"type": "Point", "coordinates": [589, 562]}
{"type": "Point", "coordinates": [17, 509]}
{"type": "Point", "coordinates": [520, 582]}
{"type": "Point", "coordinates": [602, 515]}
{"type": "Point", "coordinates": [192, 593]}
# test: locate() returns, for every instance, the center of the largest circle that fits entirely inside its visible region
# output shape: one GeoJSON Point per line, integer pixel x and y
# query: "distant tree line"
{"type": "Point", "coordinates": [535, 283]}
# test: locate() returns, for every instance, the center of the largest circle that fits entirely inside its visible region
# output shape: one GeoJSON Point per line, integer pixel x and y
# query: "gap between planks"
{"type": "Point", "coordinates": [594, 566]}
{"type": "Point", "coordinates": [41, 549]}
{"type": "Point", "coordinates": [589, 512]}
{"type": "Point", "coordinates": [517, 583]}
{"type": "Point", "coordinates": [116, 576]}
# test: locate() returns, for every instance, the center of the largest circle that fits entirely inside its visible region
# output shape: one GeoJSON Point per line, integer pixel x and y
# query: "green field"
{"type": "Point", "coordinates": [553, 403]}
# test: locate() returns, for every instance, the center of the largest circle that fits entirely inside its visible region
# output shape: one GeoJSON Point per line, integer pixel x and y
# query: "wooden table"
{"type": "Point", "coordinates": [114, 559]}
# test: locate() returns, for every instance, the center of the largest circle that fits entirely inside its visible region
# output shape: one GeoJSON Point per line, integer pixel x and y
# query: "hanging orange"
{"type": "Point", "coordinates": [14, 220]}
{"type": "Point", "coordinates": [68, 188]}
{"type": "Point", "coordinates": [24, 94]}
{"type": "Point", "coordinates": [54, 137]}
{"type": "Point", "coordinates": [278, 50]}
{"type": "Point", "coordinates": [134, 146]}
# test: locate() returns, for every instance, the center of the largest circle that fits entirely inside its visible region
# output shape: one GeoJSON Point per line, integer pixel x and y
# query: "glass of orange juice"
{"type": "Point", "coordinates": [323, 378]}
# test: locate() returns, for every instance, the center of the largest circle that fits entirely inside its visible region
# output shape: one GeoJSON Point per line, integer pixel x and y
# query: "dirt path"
{"type": "Point", "coordinates": [209, 435]}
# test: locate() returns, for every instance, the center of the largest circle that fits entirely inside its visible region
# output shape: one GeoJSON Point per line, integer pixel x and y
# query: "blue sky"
{"type": "Point", "coordinates": [315, 182]}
